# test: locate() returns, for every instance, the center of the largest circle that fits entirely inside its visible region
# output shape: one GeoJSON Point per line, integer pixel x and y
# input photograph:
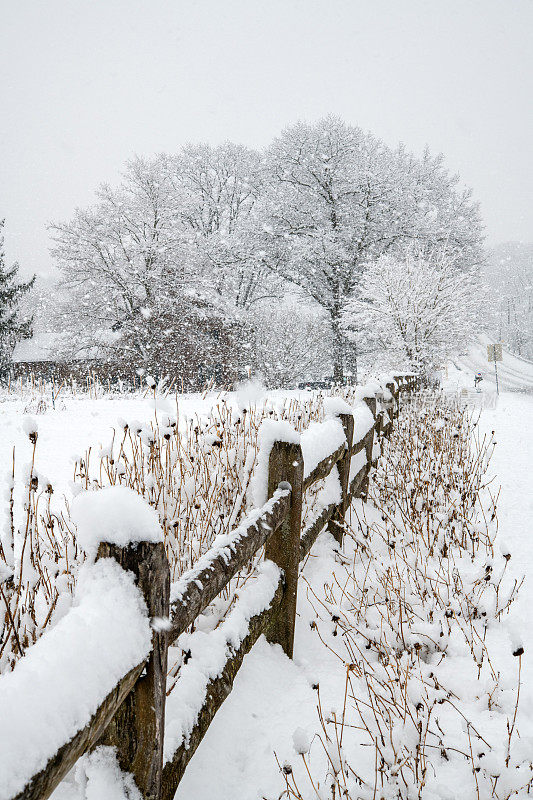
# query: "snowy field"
{"type": "Point", "coordinates": [273, 706]}
{"type": "Point", "coordinates": [273, 696]}
{"type": "Point", "coordinates": [76, 423]}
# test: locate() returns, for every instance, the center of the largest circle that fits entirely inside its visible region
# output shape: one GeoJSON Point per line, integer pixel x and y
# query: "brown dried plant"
{"type": "Point", "coordinates": [196, 471]}
{"type": "Point", "coordinates": [409, 612]}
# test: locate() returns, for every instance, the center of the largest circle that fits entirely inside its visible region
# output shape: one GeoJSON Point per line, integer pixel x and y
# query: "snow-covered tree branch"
{"type": "Point", "coordinates": [339, 198]}
{"type": "Point", "coordinates": [212, 238]}
{"type": "Point", "coordinates": [13, 326]}
{"type": "Point", "coordinates": [416, 308]}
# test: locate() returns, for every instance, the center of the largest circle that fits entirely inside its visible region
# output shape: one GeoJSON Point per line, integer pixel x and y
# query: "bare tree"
{"type": "Point", "coordinates": [509, 276]}
{"type": "Point", "coordinates": [419, 308]}
{"type": "Point", "coordinates": [216, 191]}
{"type": "Point", "coordinates": [121, 265]}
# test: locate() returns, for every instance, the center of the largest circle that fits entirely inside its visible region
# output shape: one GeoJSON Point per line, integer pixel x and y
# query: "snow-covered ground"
{"type": "Point", "coordinates": [512, 466]}
{"type": "Point", "coordinates": [78, 422]}
{"type": "Point", "coordinates": [515, 374]}
{"type": "Point", "coordinates": [66, 432]}
{"type": "Point", "coordinates": [273, 697]}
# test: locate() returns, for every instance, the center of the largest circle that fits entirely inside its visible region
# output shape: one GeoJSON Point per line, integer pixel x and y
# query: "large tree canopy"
{"type": "Point", "coordinates": [338, 198]}
{"type": "Point", "coordinates": [417, 308]}
{"type": "Point", "coordinates": [212, 238]}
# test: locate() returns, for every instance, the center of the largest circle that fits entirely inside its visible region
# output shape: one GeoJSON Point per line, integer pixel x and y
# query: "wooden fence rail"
{"type": "Point", "coordinates": [132, 716]}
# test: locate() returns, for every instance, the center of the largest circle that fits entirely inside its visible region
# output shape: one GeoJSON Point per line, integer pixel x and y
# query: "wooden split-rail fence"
{"type": "Point", "coordinates": [132, 716]}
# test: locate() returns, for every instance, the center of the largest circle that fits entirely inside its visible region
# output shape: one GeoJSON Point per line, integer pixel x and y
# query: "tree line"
{"type": "Point", "coordinates": [300, 260]}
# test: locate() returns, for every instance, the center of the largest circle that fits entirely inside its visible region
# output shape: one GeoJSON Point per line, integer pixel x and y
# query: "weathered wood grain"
{"type": "Point", "coordinates": [204, 585]}
{"type": "Point", "coordinates": [283, 548]}
{"type": "Point", "coordinates": [335, 525]}
{"type": "Point", "coordinates": [137, 730]}
{"type": "Point", "coordinates": [217, 691]}
{"type": "Point", "coordinates": [43, 784]}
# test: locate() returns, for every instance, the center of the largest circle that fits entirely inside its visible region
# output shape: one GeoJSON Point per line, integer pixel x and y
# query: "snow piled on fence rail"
{"type": "Point", "coordinates": [272, 708]}
{"type": "Point", "coordinates": [319, 441]}
{"type": "Point", "coordinates": [362, 421]}
{"type": "Point", "coordinates": [329, 494]}
{"type": "Point", "coordinates": [59, 684]}
{"type": "Point", "coordinates": [97, 776]}
{"type": "Point", "coordinates": [208, 653]}
{"type": "Point", "coordinates": [224, 545]}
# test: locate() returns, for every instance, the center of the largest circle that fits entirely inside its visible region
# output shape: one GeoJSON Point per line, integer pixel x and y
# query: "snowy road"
{"type": "Point", "coordinates": [515, 374]}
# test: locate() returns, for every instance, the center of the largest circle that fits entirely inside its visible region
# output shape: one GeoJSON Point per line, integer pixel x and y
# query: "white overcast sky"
{"type": "Point", "coordinates": [84, 84]}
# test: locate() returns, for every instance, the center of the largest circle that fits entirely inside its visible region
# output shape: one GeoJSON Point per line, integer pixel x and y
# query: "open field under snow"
{"type": "Point", "coordinates": [273, 697]}
{"type": "Point", "coordinates": [77, 423]}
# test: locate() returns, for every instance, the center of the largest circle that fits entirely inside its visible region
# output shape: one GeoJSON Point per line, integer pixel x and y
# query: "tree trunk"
{"type": "Point", "coordinates": [138, 727]}
{"type": "Point", "coordinates": [338, 347]}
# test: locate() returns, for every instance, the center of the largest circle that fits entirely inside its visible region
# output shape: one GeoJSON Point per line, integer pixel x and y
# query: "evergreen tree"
{"type": "Point", "coordinates": [12, 328]}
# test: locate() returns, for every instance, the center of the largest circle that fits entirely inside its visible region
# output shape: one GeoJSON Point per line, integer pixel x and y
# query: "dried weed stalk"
{"type": "Point", "coordinates": [418, 599]}
{"type": "Point", "coordinates": [196, 471]}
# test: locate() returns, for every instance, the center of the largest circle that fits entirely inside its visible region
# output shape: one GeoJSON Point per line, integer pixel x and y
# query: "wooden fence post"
{"type": "Point", "coordinates": [372, 403]}
{"type": "Point", "coordinates": [382, 416]}
{"type": "Point", "coordinates": [335, 525]}
{"type": "Point", "coordinates": [390, 408]}
{"type": "Point", "coordinates": [137, 729]}
{"type": "Point", "coordinates": [404, 388]}
{"type": "Point", "coordinates": [286, 464]}
{"type": "Point", "coordinates": [369, 447]}
{"type": "Point", "coordinates": [396, 393]}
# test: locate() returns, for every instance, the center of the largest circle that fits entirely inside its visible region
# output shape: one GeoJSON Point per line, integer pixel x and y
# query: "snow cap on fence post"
{"type": "Point", "coordinates": [118, 523]}
{"type": "Point", "coordinates": [367, 394]}
{"type": "Point", "coordinates": [270, 431]}
{"type": "Point", "coordinates": [116, 515]}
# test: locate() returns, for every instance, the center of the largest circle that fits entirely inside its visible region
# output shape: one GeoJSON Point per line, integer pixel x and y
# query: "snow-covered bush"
{"type": "Point", "coordinates": [417, 611]}
{"type": "Point", "coordinates": [195, 471]}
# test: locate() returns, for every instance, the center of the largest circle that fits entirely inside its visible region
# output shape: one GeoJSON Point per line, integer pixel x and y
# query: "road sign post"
{"type": "Point", "coordinates": [494, 353]}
